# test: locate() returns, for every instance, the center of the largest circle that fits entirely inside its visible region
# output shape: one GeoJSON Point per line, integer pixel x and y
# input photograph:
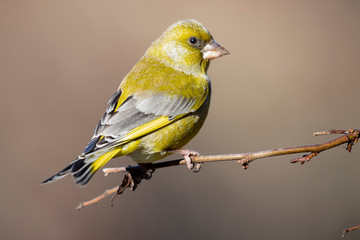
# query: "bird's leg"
{"type": "Point", "coordinates": [188, 154]}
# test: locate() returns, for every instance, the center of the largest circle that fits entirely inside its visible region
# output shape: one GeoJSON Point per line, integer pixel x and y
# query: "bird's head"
{"type": "Point", "coordinates": [187, 46]}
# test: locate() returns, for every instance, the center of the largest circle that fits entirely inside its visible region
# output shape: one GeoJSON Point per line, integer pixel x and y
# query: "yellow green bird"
{"type": "Point", "coordinates": [160, 105]}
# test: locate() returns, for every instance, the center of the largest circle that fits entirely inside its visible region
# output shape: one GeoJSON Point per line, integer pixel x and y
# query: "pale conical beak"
{"type": "Point", "coordinates": [213, 50]}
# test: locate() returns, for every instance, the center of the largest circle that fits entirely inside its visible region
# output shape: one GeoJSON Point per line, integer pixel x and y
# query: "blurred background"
{"type": "Point", "coordinates": [293, 70]}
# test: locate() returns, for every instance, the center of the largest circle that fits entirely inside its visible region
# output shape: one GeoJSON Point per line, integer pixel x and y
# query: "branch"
{"type": "Point", "coordinates": [144, 171]}
{"type": "Point", "coordinates": [350, 229]}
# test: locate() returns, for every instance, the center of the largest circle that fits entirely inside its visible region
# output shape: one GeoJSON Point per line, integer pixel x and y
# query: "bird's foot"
{"type": "Point", "coordinates": [188, 155]}
{"type": "Point", "coordinates": [138, 174]}
{"type": "Point", "coordinates": [133, 178]}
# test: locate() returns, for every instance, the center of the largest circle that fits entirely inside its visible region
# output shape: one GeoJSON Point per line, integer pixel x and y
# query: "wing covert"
{"type": "Point", "coordinates": [137, 116]}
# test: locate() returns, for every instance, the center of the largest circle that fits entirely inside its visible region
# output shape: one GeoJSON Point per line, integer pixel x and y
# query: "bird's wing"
{"type": "Point", "coordinates": [137, 115]}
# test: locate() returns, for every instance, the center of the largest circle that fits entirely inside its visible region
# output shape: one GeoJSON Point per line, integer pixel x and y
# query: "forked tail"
{"type": "Point", "coordinates": [84, 167]}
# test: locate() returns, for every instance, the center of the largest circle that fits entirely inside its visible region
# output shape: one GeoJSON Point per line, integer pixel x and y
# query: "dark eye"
{"type": "Point", "coordinates": [193, 40]}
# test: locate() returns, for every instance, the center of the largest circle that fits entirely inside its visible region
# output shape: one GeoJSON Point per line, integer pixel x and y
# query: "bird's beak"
{"type": "Point", "coordinates": [213, 50]}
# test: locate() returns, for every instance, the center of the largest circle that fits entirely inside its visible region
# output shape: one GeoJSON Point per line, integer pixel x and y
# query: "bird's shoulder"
{"type": "Point", "coordinates": [151, 75]}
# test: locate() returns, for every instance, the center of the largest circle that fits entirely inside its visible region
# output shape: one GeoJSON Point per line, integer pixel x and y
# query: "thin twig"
{"type": "Point", "coordinates": [350, 229]}
{"type": "Point", "coordinates": [98, 198]}
{"type": "Point", "coordinates": [350, 137]}
{"type": "Point", "coordinates": [333, 131]}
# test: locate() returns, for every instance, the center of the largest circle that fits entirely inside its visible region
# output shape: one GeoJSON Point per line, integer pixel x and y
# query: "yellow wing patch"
{"type": "Point", "coordinates": [123, 97]}
{"type": "Point", "coordinates": [134, 134]}
{"type": "Point", "coordinates": [103, 159]}
{"type": "Point", "coordinates": [147, 128]}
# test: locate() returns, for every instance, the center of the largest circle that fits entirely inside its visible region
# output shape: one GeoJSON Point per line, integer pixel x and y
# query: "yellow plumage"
{"type": "Point", "coordinates": [160, 105]}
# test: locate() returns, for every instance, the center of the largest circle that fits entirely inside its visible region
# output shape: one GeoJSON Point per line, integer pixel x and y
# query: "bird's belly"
{"type": "Point", "coordinates": [154, 146]}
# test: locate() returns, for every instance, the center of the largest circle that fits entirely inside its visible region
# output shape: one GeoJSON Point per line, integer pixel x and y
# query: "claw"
{"type": "Point", "coordinates": [197, 167]}
{"type": "Point", "coordinates": [188, 154]}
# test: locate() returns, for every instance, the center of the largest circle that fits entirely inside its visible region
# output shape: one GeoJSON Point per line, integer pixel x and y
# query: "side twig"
{"type": "Point", "coordinates": [137, 173]}
{"type": "Point", "coordinates": [350, 229]}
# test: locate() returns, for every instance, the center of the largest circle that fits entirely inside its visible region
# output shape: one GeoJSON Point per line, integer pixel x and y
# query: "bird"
{"type": "Point", "coordinates": [160, 105]}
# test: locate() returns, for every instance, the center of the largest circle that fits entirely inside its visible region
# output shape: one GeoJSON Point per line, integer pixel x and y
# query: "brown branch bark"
{"type": "Point", "coordinates": [137, 173]}
{"type": "Point", "coordinates": [350, 229]}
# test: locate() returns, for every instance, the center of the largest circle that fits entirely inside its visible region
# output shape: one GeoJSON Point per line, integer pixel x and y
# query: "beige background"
{"type": "Point", "coordinates": [293, 70]}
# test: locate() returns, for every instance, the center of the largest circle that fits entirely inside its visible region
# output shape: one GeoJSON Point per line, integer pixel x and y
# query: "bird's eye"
{"type": "Point", "coordinates": [193, 40]}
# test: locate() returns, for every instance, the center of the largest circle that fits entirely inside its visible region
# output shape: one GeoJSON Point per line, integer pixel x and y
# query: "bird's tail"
{"type": "Point", "coordinates": [84, 167]}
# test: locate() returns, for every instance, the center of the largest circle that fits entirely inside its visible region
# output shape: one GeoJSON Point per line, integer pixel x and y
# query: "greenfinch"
{"type": "Point", "coordinates": [160, 105]}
